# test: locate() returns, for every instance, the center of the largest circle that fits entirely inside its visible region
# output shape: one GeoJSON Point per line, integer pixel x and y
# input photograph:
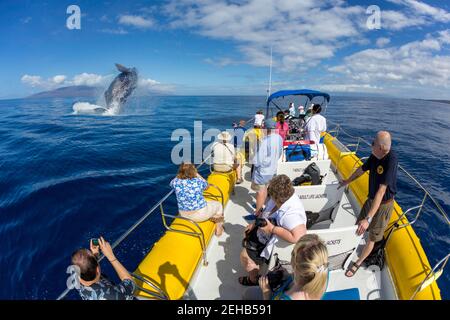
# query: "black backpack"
{"type": "Point", "coordinates": [311, 174]}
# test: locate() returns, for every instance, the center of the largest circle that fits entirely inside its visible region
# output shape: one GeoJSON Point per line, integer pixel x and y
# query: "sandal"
{"type": "Point", "coordinates": [353, 268]}
{"type": "Point", "coordinates": [245, 281]}
{"type": "Point", "coordinates": [239, 181]}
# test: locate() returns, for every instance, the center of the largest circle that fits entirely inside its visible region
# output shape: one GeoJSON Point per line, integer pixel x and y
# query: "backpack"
{"type": "Point", "coordinates": [311, 174]}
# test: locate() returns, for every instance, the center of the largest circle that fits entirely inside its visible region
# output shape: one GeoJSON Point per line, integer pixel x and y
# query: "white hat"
{"type": "Point", "coordinates": [300, 107]}
{"type": "Point", "coordinates": [224, 135]}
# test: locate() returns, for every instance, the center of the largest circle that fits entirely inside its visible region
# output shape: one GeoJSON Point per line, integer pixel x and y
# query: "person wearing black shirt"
{"type": "Point", "coordinates": [376, 212]}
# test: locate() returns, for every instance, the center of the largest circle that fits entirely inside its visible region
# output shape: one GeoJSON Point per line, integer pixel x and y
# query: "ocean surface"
{"type": "Point", "coordinates": [66, 178]}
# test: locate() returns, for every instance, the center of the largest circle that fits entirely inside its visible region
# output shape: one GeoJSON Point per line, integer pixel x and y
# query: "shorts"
{"type": "Point", "coordinates": [212, 208]}
{"type": "Point", "coordinates": [258, 187]}
{"type": "Point", "coordinates": [380, 220]}
{"type": "Point", "coordinates": [223, 167]}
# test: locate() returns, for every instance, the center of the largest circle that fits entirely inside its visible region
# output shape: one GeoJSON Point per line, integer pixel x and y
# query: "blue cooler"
{"type": "Point", "coordinates": [296, 152]}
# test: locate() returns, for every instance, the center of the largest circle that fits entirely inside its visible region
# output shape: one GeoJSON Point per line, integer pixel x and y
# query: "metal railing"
{"type": "Point", "coordinates": [433, 275]}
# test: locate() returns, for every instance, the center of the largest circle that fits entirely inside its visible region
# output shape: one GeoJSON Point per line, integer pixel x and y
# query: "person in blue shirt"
{"type": "Point", "coordinates": [189, 186]}
{"type": "Point", "coordinates": [377, 210]}
{"type": "Point", "coordinates": [265, 163]}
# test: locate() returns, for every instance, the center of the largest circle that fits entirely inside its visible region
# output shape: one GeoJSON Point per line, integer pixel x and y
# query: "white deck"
{"type": "Point", "coordinates": [219, 280]}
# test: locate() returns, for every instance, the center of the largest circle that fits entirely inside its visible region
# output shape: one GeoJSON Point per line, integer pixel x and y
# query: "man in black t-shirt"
{"type": "Point", "coordinates": [376, 212]}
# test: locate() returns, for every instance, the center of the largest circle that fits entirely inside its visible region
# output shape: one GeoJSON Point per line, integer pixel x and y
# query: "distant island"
{"type": "Point", "coordinates": [68, 92]}
{"type": "Point", "coordinates": [431, 100]}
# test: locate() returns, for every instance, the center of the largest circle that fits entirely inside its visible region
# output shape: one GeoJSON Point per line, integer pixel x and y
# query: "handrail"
{"type": "Point", "coordinates": [160, 295]}
{"type": "Point", "coordinates": [432, 276]}
{"type": "Point", "coordinates": [339, 129]}
{"type": "Point", "coordinates": [135, 225]}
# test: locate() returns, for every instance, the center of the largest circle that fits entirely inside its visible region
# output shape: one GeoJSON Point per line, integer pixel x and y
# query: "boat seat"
{"type": "Point", "coordinates": [173, 260]}
{"type": "Point", "coordinates": [346, 294]}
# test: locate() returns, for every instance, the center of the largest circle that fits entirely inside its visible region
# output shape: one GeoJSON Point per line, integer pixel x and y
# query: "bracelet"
{"type": "Point", "coordinates": [111, 261]}
{"type": "Point", "coordinates": [369, 219]}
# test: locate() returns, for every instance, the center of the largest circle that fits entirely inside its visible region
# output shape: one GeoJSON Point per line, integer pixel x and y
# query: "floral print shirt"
{"type": "Point", "coordinates": [189, 193]}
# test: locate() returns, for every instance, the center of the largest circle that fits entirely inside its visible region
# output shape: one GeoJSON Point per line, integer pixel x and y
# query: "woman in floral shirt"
{"type": "Point", "coordinates": [189, 187]}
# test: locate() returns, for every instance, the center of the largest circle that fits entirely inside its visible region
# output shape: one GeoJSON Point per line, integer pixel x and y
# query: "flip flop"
{"type": "Point", "coordinates": [217, 219]}
{"type": "Point", "coordinates": [353, 268]}
{"type": "Point", "coordinates": [245, 281]}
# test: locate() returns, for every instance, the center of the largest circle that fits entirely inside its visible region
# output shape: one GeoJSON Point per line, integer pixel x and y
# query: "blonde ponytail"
{"type": "Point", "coordinates": [310, 263]}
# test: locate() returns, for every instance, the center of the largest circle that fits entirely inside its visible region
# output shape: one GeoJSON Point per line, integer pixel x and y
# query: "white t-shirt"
{"type": "Point", "coordinates": [292, 111]}
{"type": "Point", "coordinates": [223, 153]}
{"type": "Point", "coordinates": [289, 216]}
{"type": "Point", "coordinates": [314, 127]}
{"type": "Point", "coordinates": [259, 118]}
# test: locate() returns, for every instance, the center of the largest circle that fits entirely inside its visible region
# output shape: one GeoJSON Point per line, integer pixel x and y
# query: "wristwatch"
{"type": "Point", "coordinates": [369, 219]}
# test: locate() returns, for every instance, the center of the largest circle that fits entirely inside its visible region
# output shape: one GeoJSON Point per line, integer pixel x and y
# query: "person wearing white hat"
{"type": "Point", "coordinates": [301, 110]}
{"type": "Point", "coordinates": [224, 156]}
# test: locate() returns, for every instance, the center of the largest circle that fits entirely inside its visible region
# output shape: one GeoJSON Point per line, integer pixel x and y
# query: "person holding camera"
{"type": "Point", "coordinates": [284, 217]}
{"type": "Point", "coordinates": [93, 286]}
{"type": "Point", "coordinates": [308, 280]}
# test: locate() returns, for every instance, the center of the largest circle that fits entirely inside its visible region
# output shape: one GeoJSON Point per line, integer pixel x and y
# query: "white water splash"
{"type": "Point", "coordinates": [89, 108]}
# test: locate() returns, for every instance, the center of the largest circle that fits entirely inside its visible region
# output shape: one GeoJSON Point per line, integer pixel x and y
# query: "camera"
{"type": "Point", "coordinates": [261, 222]}
{"type": "Point", "coordinates": [275, 279]}
{"type": "Point", "coordinates": [95, 242]}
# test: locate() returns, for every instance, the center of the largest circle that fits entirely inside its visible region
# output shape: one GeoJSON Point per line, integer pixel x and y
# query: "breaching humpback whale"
{"type": "Point", "coordinates": [121, 88]}
{"type": "Point", "coordinates": [117, 94]}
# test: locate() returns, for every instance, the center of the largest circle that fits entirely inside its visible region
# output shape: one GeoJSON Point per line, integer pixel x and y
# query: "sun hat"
{"type": "Point", "coordinates": [224, 135]}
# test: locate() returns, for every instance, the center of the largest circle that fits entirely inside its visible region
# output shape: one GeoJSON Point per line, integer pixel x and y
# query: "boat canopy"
{"type": "Point", "coordinates": [304, 92]}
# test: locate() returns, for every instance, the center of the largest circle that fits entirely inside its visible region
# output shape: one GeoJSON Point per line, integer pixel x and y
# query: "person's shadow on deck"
{"type": "Point", "coordinates": [244, 199]}
{"type": "Point", "coordinates": [230, 269]}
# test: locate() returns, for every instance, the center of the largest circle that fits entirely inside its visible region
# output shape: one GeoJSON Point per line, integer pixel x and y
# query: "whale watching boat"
{"type": "Point", "coordinates": [189, 262]}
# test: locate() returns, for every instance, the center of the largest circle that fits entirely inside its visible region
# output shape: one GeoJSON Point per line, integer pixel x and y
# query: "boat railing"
{"type": "Point", "coordinates": [433, 275]}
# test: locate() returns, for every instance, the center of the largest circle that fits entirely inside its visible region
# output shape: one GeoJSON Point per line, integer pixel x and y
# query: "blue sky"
{"type": "Point", "coordinates": [208, 47]}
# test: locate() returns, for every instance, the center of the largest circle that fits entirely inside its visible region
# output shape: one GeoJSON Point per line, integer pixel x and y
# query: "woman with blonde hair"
{"type": "Point", "coordinates": [310, 273]}
{"type": "Point", "coordinates": [189, 186]}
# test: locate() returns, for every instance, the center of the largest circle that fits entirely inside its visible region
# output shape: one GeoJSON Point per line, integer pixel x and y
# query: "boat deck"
{"type": "Point", "coordinates": [219, 280]}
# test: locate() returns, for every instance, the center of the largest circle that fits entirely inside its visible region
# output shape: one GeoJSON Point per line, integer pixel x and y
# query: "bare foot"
{"type": "Point", "coordinates": [219, 229]}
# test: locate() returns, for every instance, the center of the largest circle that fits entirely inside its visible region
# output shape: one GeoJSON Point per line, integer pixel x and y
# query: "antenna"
{"type": "Point", "coordinates": [270, 81]}
{"type": "Point", "coordinates": [270, 75]}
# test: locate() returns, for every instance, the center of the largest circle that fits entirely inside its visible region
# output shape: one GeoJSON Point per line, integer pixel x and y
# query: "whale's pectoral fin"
{"type": "Point", "coordinates": [121, 68]}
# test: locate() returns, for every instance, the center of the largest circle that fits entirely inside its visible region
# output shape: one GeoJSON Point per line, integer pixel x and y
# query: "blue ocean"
{"type": "Point", "coordinates": [66, 178]}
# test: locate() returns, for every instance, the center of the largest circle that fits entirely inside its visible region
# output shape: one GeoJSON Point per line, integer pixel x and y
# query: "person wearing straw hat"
{"type": "Point", "coordinates": [224, 156]}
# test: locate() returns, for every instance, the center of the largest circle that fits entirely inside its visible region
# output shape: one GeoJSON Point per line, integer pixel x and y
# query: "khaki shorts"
{"type": "Point", "coordinates": [379, 221]}
{"type": "Point", "coordinates": [258, 187]}
{"type": "Point", "coordinates": [212, 208]}
{"type": "Point", "coordinates": [223, 167]}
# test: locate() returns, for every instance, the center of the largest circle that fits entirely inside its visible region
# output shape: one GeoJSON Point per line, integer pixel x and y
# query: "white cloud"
{"type": "Point", "coordinates": [119, 31]}
{"type": "Point", "coordinates": [350, 88]}
{"type": "Point", "coordinates": [145, 85]}
{"type": "Point", "coordinates": [421, 64]}
{"type": "Point", "coordinates": [88, 79]}
{"type": "Point", "coordinates": [424, 9]}
{"type": "Point", "coordinates": [34, 81]}
{"type": "Point", "coordinates": [303, 33]}
{"type": "Point", "coordinates": [382, 42]}
{"type": "Point", "coordinates": [136, 21]}
{"type": "Point", "coordinates": [148, 86]}
{"type": "Point", "coordinates": [59, 79]}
